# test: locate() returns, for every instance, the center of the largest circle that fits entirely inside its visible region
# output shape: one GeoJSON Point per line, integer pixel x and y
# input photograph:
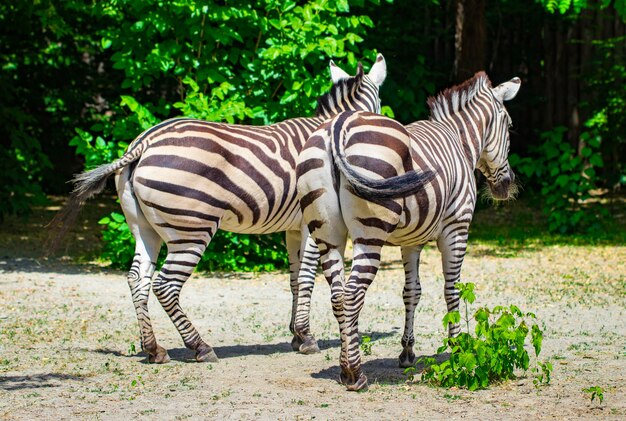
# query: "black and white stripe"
{"type": "Point", "coordinates": [384, 183]}
{"type": "Point", "coordinates": [182, 180]}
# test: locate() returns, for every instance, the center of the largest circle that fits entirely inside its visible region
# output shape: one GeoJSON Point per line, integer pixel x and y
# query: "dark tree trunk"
{"type": "Point", "coordinates": [470, 38]}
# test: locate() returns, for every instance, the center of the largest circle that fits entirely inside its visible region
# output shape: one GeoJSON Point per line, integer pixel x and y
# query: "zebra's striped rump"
{"type": "Point", "coordinates": [382, 183]}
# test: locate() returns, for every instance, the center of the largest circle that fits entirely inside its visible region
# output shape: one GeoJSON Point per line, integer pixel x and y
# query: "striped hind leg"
{"type": "Point", "coordinates": [302, 267]}
{"type": "Point", "coordinates": [147, 246]}
{"type": "Point", "coordinates": [181, 260]}
{"type": "Point", "coordinates": [411, 296]}
{"type": "Point", "coordinates": [365, 263]}
{"type": "Point", "coordinates": [452, 244]}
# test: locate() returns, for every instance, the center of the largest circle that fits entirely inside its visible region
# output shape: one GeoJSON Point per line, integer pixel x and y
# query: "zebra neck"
{"type": "Point", "coordinates": [470, 126]}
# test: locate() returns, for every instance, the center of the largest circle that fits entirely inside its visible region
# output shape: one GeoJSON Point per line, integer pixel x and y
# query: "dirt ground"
{"type": "Point", "coordinates": [69, 343]}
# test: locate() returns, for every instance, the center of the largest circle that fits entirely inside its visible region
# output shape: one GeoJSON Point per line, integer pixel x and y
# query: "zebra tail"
{"type": "Point", "coordinates": [86, 185]}
{"type": "Point", "coordinates": [375, 189]}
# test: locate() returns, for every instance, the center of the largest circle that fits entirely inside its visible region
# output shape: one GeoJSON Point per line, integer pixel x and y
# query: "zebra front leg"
{"type": "Point", "coordinates": [411, 296]}
{"type": "Point", "coordinates": [365, 265]}
{"type": "Point", "coordinates": [452, 248]}
{"type": "Point", "coordinates": [302, 288]}
{"type": "Point", "coordinates": [178, 266]}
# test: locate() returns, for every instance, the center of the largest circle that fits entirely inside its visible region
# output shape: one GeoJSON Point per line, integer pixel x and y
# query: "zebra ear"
{"type": "Point", "coordinates": [359, 70]}
{"type": "Point", "coordinates": [378, 72]}
{"type": "Point", "coordinates": [507, 90]}
{"type": "Point", "coordinates": [336, 73]}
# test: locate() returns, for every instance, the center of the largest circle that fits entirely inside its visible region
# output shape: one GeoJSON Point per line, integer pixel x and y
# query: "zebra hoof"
{"type": "Point", "coordinates": [407, 359]}
{"type": "Point", "coordinates": [360, 384]}
{"type": "Point", "coordinates": [296, 342]}
{"type": "Point", "coordinates": [205, 354]}
{"type": "Point", "coordinates": [160, 356]}
{"type": "Point", "coordinates": [309, 346]}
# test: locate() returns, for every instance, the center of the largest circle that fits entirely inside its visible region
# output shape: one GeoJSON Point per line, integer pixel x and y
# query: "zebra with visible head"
{"type": "Point", "coordinates": [384, 183]}
{"type": "Point", "coordinates": [183, 179]}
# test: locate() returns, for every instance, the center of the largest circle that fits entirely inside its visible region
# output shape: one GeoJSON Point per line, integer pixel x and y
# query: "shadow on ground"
{"type": "Point", "coordinates": [381, 370]}
{"type": "Point", "coordinates": [234, 351]}
{"type": "Point", "coordinates": [34, 381]}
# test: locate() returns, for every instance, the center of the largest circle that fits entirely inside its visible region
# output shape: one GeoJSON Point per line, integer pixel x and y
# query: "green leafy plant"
{"type": "Point", "coordinates": [366, 345]}
{"type": "Point", "coordinates": [595, 392]}
{"type": "Point", "coordinates": [566, 179]}
{"type": "Point", "coordinates": [118, 240]}
{"type": "Point", "coordinates": [226, 252]}
{"type": "Point", "coordinates": [238, 63]}
{"type": "Point", "coordinates": [491, 355]}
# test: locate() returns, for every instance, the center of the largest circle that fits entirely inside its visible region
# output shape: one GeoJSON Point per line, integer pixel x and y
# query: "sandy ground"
{"type": "Point", "coordinates": [68, 337]}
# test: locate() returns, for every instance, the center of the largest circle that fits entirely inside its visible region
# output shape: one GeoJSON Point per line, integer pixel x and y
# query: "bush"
{"type": "Point", "coordinates": [492, 355]}
{"type": "Point", "coordinates": [227, 251]}
{"type": "Point", "coordinates": [238, 63]}
{"type": "Point", "coordinates": [566, 179]}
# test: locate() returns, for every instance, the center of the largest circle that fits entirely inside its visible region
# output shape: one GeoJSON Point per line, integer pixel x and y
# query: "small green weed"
{"type": "Point", "coordinates": [595, 392]}
{"type": "Point", "coordinates": [137, 381]}
{"type": "Point", "coordinates": [492, 355]}
{"type": "Point", "coordinates": [542, 373]}
{"type": "Point", "coordinates": [366, 345]}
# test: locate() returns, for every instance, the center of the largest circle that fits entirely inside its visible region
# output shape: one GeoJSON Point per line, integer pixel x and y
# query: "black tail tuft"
{"type": "Point", "coordinates": [399, 186]}
{"type": "Point", "coordinates": [86, 185]}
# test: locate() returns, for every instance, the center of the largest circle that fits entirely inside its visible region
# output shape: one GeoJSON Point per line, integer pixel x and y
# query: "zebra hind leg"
{"type": "Point", "coordinates": [147, 246]}
{"type": "Point", "coordinates": [302, 283]}
{"type": "Point", "coordinates": [411, 296]}
{"type": "Point", "coordinates": [178, 266]}
{"type": "Point", "coordinates": [365, 264]}
{"type": "Point", "coordinates": [139, 283]}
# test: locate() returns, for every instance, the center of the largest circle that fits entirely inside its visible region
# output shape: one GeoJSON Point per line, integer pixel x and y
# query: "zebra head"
{"type": "Point", "coordinates": [353, 93]}
{"type": "Point", "coordinates": [494, 159]}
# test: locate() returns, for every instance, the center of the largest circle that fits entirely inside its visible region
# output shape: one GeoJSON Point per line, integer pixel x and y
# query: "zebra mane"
{"type": "Point", "coordinates": [335, 98]}
{"type": "Point", "coordinates": [454, 99]}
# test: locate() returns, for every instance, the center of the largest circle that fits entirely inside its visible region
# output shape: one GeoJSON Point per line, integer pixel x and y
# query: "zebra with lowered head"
{"type": "Point", "coordinates": [384, 183]}
{"type": "Point", "coordinates": [181, 180]}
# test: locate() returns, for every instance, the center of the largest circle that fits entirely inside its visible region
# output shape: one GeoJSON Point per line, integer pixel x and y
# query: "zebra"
{"type": "Point", "coordinates": [181, 180]}
{"type": "Point", "coordinates": [384, 183]}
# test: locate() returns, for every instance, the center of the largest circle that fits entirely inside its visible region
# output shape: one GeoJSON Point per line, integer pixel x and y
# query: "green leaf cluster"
{"type": "Point", "coordinates": [492, 354]}
{"type": "Point", "coordinates": [227, 251]}
{"type": "Point", "coordinates": [595, 392]}
{"type": "Point", "coordinates": [234, 61]}
{"type": "Point", "coordinates": [577, 6]}
{"type": "Point", "coordinates": [566, 177]}
{"type": "Point", "coordinates": [366, 345]}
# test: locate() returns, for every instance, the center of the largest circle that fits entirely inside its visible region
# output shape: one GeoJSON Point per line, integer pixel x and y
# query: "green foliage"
{"type": "Point", "coordinates": [608, 114]}
{"type": "Point", "coordinates": [245, 253]}
{"type": "Point", "coordinates": [566, 179]}
{"type": "Point", "coordinates": [227, 251]}
{"type": "Point", "coordinates": [595, 392]}
{"type": "Point", "coordinates": [118, 241]}
{"type": "Point", "coordinates": [23, 164]}
{"type": "Point", "coordinates": [542, 373]}
{"type": "Point", "coordinates": [491, 355]}
{"type": "Point", "coordinates": [577, 6]}
{"type": "Point", "coordinates": [366, 345]}
{"type": "Point", "coordinates": [238, 63]}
